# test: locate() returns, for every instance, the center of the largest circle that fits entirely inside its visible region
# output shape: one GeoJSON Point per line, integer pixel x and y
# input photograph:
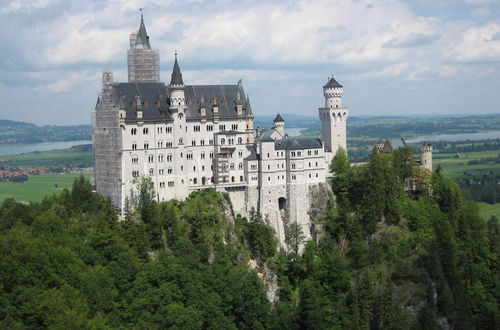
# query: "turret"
{"type": "Point", "coordinates": [177, 99]}
{"type": "Point", "coordinates": [279, 126]}
{"type": "Point", "coordinates": [426, 155]}
{"type": "Point", "coordinates": [333, 119]}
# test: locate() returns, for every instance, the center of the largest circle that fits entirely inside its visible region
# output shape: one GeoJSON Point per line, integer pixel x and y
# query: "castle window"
{"type": "Point", "coordinates": [170, 183]}
{"type": "Point", "coordinates": [268, 155]}
{"type": "Point", "coordinates": [194, 168]}
{"type": "Point", "coordinates": [232, 179]}
{"type": "Point", "coordinates": [133, 131]}
{"type": "Point", "coordinates": [160, 158]}
{"type": "Point", "coordinates": [316, 174]}
{"type": "Point", "coordinates": [294, 177]}
{"type": "Point", "coordinates": [240, 140]}
{"type": "Point", "coordinates": [309, 175]}
{"type": "Point", "coordinates": [299, 153]}
{"type": "Point", "coordinates": [240, 166]}
{"type": "Point", "coordinates": [135, 174]}
{"type": "Point", "coordinates": [202, 156]}
{"type": "Point", "coordinates": [309, 152]}
{"type": "Point", "coordinates": [189, 156]}
{"type": "Point", "coordinates": [309, 164]}
{"type": "Point", "coordinates": [135, 160]}
{"type": "Point", "coordinates": [160, 144]}
{"type": "Point", "coordinates": [196, 128]}
{"type": "Point", "coordinates": [241, 178]}
{"type": "Point", "coordinates": [169, 170]}
{"type": "Point", "coordinates": [145, 131]}
{"type": "Point", "coordinates": [168, 129]}
{"type": "Point", "coordinates": [222, 141]}
{"type": "Point", "coordinates": [316, 164]}
{"type": "Point", "coordinates": [253, 166]}
{"type": "Point", "coordinates": [168, 144]}
{"type": "Point", "coordinates": [211, 142]}
{"type": "Point", "coordinates": [234, 127]}
{"type": "Point", "coordinates": [210, 128]}
{"type": "Point", "coordinates": [240, 154]}
{"type": "Point", "coordinates": [268, 178]}
{"type": "Point", "coordinates": [193, 143]}
{"type": "Point", "coordinates": [151, 171]}
{"type": "Point", "coordinates": [169, 158]}
{"type": "Point", "coordinates": [151, 158]}
{"type": "Point", "coordinates": [293, 153]}
{"type": "Point", "coordinates": [180, 141]}
{"type": "Point", "coordinates": [195, 181]}
{"type": "Point", "coordinates": [159, 129]}
{"type": "Point", "coordinates": [293, 166]}
{"type": "Point", "coordinates": [134, 146]}
{"type": "Point", "coordinates": [211, 155]}
{"type": "Point", "coordinates": [268, 167]}
{"type": "Point", "coordinates": [222, 127]}
{"type": "Point", "coordinates": [231, 167]}
{"type": "Point", "coordinates": [202, 142]}
{"type": "Point", "coordinates": [146, 145]}
{"type": "Point", "coordinates": [315, 152]}
{"type": "Point", "coordinates": [161, 171]}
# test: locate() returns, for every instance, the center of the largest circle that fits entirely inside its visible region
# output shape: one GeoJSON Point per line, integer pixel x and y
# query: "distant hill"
{"type": "Point", "coordinates": [21, 132]}
{"type": "Point", "coordinates": [13, 123]}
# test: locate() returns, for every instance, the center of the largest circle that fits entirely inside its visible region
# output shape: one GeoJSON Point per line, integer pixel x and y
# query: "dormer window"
{"type": "Point", "coordinates": [213, 101]}
{"type": "Point", "coordinates": [158, 103]}
{"type": "Point", "coordinates": [203, 112]}
{"type": "Point", "coordinates": [223, 101]}
{"type": "Point", "coordinates": [145, 103]}
{"type": "Point", "coordinates": [134, 104]}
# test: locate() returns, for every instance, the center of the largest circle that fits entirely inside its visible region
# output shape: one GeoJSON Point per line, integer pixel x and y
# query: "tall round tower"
{"type": "Point", "coordinates": [333, 118]}
{"type": "Point", "coordinates": [426, 155]}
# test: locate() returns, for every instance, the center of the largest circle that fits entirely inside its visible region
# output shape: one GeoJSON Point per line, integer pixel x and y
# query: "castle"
{"type": "Point", "coordinates": [190, 137]}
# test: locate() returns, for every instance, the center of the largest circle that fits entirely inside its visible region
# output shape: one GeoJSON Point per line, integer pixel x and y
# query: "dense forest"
{"type": "Point", "coordinates": [386, 261]}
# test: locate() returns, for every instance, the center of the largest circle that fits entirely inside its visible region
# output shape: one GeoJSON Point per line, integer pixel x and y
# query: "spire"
{"type": "Point", "coordinates": [142, 35]}
{"type": "Point", "coordinates": [248, 107]}
{"type": "Point", "coordinates": [176, 73]}
{"type": "Point", "coordinates": [278, 119]}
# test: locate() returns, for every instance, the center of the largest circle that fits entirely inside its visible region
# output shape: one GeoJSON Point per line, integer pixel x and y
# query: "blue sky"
{"type": "Point", "coordinates": [412, 57]}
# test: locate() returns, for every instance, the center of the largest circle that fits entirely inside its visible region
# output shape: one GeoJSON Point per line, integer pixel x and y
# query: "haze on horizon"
{"type": "Point", "coordinates": [393, 57]}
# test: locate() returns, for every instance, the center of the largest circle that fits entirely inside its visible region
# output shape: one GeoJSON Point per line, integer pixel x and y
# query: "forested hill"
{"type": "Point", "coordinates": [386, 261]}
{"type": "Point", "coordinates": [21, 132]}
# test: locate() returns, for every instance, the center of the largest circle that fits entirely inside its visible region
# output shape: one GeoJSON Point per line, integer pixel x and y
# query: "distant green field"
{"type": "Point", "coordinates": [460, 168]}
{"type": "Point", "coordinates": [37, 186]}
{"type": "Point", "coordinates": [50, 158]}
{"type": "Point", "coordinates": [487, 210]}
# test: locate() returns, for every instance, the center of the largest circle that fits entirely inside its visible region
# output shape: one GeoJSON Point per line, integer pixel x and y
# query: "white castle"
{"type": "Point", "coordinates": [191, 137]}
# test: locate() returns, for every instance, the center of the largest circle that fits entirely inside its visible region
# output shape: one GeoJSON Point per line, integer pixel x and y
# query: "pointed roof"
{"type": "Point", "coordinates": [278, 119]}
{"type": "Point", "coordinates": [332, 83]}
{"type": "Point", "coordinates": [176, 74]}
{"type": "Point", "coordinates": [248, 107]}
{"type": "Point", "coordinates": [142, 35]}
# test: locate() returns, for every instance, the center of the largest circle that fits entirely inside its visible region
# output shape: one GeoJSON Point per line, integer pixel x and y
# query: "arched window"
{"type": "Point", "coordinates": [151, 171]}
{"type": "Point", "coordinates": [222, 141]}
{"type": "Point", "coordinates": [240, 140]}
{"type": "Point", "coordinates": [240, 166]}
{"type": "Point", "coordinates": [231, 166]}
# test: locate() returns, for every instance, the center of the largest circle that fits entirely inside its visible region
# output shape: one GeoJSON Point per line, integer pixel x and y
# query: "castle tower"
{"type": "Point", "coordinates": [143, 62]}
{"type": "Point", "coordinates": [333, 119]}
{"type": "Point", "coordinates": [177, 109]}
{"type": "Point", "coordinates": [279, 126]}
{"type": "Point", "coordinates": [426, 155]}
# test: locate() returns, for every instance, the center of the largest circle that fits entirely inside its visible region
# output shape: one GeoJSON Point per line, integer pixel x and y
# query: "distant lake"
{"type": "Point", "coordinates": [16, 149]}
{"type": "Point", "coordinates": [458, 137]}
{"type": "Point", "coordinates": [295, 131]}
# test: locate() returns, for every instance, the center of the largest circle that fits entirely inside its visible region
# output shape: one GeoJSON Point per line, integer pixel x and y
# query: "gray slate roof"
{"type": "Point", "coordinates": [298, 144]}
{"type": "Point", "coordinates": [197, 96]}
{"type": "Point", "coordinates": [332, 83]}
{"type": "Point", "coordinates": [176, 74]}
{"type": "Point", "coordinates": [278, 119]}
{"type": "Point", "coordinates": [143, 38]}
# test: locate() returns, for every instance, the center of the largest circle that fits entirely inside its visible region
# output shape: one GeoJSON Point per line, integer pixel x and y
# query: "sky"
{"type": "Point", "coordinates": [393, 57]}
